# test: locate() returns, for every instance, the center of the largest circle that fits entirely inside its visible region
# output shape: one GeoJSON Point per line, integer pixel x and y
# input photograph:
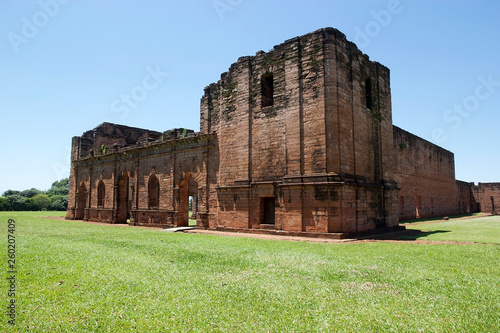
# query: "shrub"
{"type": "Point", "coordinates": [3, 204]}
{"type": "Point", "coordinates": [58, 202]}
{"type": "Point", "coordinates": [16, 202]}
{"type": "Point", "coordinates": [41, 201]}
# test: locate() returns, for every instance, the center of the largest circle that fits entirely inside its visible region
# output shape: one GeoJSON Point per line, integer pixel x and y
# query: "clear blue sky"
{"type": "Point", "coordinates": [65, 65]}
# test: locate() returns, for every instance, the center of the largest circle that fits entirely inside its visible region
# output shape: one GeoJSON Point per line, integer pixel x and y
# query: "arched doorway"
{"type": "Point", "coordinates": [81, 202]}
{"type": "Point", "coordinates": [188, 192]}
{"type": "Point", "coordinates": [123, 205]}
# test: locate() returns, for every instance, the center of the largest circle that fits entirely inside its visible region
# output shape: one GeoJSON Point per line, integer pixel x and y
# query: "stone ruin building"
{"type": "Point", "coordinates": [297, 140]}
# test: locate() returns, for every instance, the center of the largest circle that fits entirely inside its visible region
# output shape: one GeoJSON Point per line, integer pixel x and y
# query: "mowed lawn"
{"type": "Point", "coordinates": [79, 277]}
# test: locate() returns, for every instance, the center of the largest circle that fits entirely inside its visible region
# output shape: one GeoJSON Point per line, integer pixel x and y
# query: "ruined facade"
{"type": "Point", "coordinates": [121, 174]}
{"type": "Point", "coordinates": [296, 140]}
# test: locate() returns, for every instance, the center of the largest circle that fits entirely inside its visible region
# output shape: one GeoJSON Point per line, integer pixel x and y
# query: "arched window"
{"type": "Point", "coordinates": [153, 191]}
{"type": "Point", "coordinates": [100, 194]}
{"type": "Point", "coordinates": [267, 89]}
{"type": "Point", "coordinates": [368, 94]}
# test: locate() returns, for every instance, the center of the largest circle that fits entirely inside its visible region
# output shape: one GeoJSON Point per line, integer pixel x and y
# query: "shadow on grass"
{"type": "Point", "coordinates": [417, 234]}
{"type": "Point", "coordinates": [406, 235]}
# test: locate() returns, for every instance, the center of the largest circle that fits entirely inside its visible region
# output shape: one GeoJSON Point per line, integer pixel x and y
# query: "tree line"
{"type": "Point", "coordinates": [55, 198]}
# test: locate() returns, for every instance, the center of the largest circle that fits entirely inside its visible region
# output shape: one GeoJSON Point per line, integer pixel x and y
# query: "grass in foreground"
{"type": "Point", "coordinates": [79, 277]}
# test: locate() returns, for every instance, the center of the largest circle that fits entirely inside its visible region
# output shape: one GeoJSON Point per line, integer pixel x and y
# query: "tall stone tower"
{"type": "Point", "coordinates": [305, 139]}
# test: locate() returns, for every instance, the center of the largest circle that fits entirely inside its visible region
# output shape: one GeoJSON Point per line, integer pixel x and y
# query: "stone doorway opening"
{"type": "Point", "coordinates": [81, 202]}
{"type": "Point", "coordinates": [188, 192]}
{"type": "Point", "coordinates": [267, 210]}
{"type": "Point", "coordinates": [123, 204]}
{"type": "Point", "coordinates": [418, 208]}
{"type": "Point", "coordinates": [193, 209]}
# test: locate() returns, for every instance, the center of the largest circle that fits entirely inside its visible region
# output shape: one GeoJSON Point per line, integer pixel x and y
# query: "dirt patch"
{"type": "Point", "coordinates": [58, 218]}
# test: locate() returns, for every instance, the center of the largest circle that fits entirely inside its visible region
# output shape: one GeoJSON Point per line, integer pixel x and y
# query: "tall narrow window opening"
{"type": "Point", "coordinates": [100, 194]}
{"type": "Point", "coordinates": [267, 89]}
{"type": "Point", "coordinates": [153, 191]}
{"type": "Point", "coordinates": [368, 94]}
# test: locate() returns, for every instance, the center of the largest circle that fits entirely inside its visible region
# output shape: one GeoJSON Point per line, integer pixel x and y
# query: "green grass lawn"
{"type": "Point", "coordinates": [478, 229]}
{"type": "Point", "coordinates": [79, 277]}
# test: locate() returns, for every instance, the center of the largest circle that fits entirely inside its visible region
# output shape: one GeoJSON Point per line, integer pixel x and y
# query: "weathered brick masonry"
{"type": "Point", "coordinates": [121, 174]}
{"type": "Point", "coordinates": [314, 156]}
{"type": "Point", "coordinates": [426, 175]}
{"type": "Point", "coordinates": [297, 140]}
{"type": "Point", "coordinates": [488, 197]}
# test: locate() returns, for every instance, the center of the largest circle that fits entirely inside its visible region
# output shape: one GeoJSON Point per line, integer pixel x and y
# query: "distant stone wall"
{"type": "Point", "coordinates": [467, 203]}
{"type": "Point", "coordinates": [488, 197]}
{"type": "Point", "coordinates": [426, 175]}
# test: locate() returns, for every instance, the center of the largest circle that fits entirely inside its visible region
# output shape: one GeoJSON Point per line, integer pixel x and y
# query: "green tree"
{"type": "Point", "coordinates": [29, 193]}
{"type": "Point", "coordinates": [60, 187]}
{"type": "Point", "coordinates": [58, 202]}
{"type": "Point", "coordinates": [41, 201]}
{"type": "Point", "coordinates": [30, 205]}
{"type": "Point", "coordinates": [10, 192]}
{"type": "Point", "coordinates": [3, 204]}
{"type": "Point", "coordinates": [16, 202]}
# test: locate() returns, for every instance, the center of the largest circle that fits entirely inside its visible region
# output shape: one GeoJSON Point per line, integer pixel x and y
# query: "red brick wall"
{"type": "Point", "coordinates": [466, 200]}
{"type": "Point", "coordinates": [426, 175]}
{"type": "Point", "coordinates": [488, 197]}
{"type": "Point", "coordinates": [171, 161]}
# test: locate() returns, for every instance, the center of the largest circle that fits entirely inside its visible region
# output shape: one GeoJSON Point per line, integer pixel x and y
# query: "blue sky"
{"type": "Point", "coordinates": [66, 66]}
